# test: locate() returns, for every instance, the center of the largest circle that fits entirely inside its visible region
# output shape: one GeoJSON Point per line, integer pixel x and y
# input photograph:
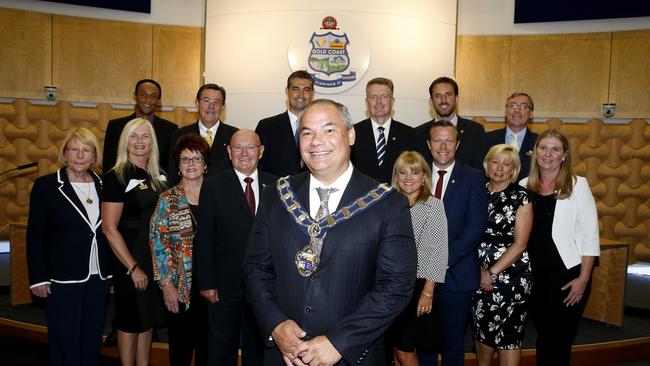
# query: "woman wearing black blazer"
{"type": "Point", "coordinates": [68, 254]}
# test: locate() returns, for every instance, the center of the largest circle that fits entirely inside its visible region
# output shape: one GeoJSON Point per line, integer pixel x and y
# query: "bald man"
{"type": "Point", "coordinates": [229, 201]}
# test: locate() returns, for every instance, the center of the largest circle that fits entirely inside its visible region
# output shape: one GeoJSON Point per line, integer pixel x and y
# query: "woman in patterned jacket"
{"type": "Point", "coordinates": [172, 238]}
{"type": "Point", "coordinates": [412, 177]}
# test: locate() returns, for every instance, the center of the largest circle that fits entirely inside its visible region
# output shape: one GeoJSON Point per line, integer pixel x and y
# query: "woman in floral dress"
{"type": "Point", "coordinates": [499, 305]}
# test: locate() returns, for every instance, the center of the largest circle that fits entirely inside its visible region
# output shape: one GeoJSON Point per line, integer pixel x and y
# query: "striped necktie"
{"type": "Point", "coordinates": [381, 146]}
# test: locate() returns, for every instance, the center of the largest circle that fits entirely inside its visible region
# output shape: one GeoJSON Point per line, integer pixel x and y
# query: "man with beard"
{"type": "Point", "coordinates": [279, 134]}
{"type": "Point", "coordinates": [444, 97]}
{"type": "Point", "coordinates": [147, 97]}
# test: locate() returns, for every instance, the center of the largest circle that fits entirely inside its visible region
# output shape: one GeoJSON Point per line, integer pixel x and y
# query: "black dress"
{"type": "Point", "coordinates": [556, 323]}
{"type": "Point", "coordinates": [499, 315]}
{"type": "Point", "coordinates": [136, 311]}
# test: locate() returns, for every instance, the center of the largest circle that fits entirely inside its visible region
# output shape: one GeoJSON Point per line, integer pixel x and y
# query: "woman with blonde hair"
{"type": "Point", "coordinates": [67, 253]}
{"type": "Point", "coordinates": [564, 245]}
{"type": "Point", "coordinates": [412, 177]}
{"type": "Point", "coordinates": [131, 190]}
{"type": "Point", "coordinates": [499, 306]}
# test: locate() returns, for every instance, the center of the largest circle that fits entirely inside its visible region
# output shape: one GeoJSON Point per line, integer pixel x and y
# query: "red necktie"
{"type": "Point", "coordinates": [250, 196]}
{"type": "Point", "coordinates": [438, 193]}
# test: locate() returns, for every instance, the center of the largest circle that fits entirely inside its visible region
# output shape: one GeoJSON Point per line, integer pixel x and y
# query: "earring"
{"type": "Point", "coordinates": [180, 174]}
{"type": "Point", "coordinates": [205, 170]}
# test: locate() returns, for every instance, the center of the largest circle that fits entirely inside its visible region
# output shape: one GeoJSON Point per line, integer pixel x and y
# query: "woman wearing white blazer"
{"type": "Point", "coordinates": [563, 247]}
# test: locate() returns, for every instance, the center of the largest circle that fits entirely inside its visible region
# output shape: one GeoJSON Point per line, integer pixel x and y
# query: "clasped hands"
{"type": "Point", "coordinates": [319, 351]}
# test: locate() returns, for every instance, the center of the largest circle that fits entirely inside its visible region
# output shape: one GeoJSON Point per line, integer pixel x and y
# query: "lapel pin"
{"type": "Point", "coordinates": [394, 138]}
{"type": "Point", "coordinates": [453, 181]}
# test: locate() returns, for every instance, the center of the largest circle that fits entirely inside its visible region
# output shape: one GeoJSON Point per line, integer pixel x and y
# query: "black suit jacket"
{"type": "Point", "coordinates": [162, 127]}
{"type": "Point", "coordinates": [364, 151]}
{"type": "Point", "coordinates": [525, 152]}
{"type": "Point", "coordinates": [365, 278]}
{"type": "Point", "coordinates": [281, 155]}
{"type": "Point", "coordinates": [225, 223]}
{"type": "Point", "coordinates": [471, 150]}
{"type": "Point", "coordinates": [60, 235]}
{"type": "Point", "coordinates": [218, 160]}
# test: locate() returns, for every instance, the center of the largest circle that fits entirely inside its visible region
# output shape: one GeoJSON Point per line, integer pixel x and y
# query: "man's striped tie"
{"type": "Point", "coordinates": [381, 146]}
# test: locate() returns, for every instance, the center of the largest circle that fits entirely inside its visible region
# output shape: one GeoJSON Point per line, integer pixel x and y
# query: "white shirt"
{"type": "Point", "coordinates": [294, 122]}
{"type": "Point", "coordinates": [375, 130]}
{"type": "Point", "coordinates": [213, 129]}
{"type": "Point", "coordinates": [453, 120]}
{"type": "Point", "coordinates": [92, 209]}
{"type": "Point", "coordinates": [520, 137]}
{"type": "Point", "coordinates": [445, 178]}
{"type": "Point", "coordinates": [255, 185]}
{"type": "Point", "coordinates": [335, 197]}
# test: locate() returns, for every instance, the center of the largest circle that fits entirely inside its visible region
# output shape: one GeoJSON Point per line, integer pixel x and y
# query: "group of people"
{"type": "Point", "coordinates": [313, 240]}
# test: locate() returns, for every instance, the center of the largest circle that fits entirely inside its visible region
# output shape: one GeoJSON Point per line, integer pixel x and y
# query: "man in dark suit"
{"type": "Point", "coordinates": [519, 110]}
{"type": "Point", "coordinates": [444, 97]}
{"type": "Point", "coordinates": [147, 98]}
{"type": "Point", "coordinates": [325, 284]}
{"type": "Point", "coordinates": [226, 213]}
{"type": "Point", "coordinates": [380, 139]}
{"type": "Point", "coordinates": [279, 134]}
{"type": "Point", "coordinates": [463, 194]}
{"type": "Point", "coordinates": [210, 101]}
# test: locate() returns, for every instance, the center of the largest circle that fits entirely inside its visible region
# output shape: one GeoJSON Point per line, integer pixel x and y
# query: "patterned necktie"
{"type": "Point", "coordinates": [208, 137]}
{"type": "Point", "coordinates": [381, 146]}
{"type": "Point", "coordinates": [250, 196]}
{"type": "Point", "coordinates": [296, 136]}
{"type": "Point", "coordinates": [438, 193]}
{"type": "Point", "coordinates": [324, 195]}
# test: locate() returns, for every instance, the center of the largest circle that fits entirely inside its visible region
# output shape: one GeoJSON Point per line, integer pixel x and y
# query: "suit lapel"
{"type": "Point", "coordinates": [240, 197]}
{"type": "Point", "coordinates": [456, 175]}
{"type": "Point", "coordinates": [70, 196]}
{"type": "Point", "coordinates": [287, 130]}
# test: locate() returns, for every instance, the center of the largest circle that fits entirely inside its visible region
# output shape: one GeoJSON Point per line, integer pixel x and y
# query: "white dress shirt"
{"type": "Point", "coordinates": [213, 129]}
{"type": "Point", "coordinates": [445, 178]}
{"type": "Point", "coordinates": [255, 185]}
{"type": "Point", "coordinates": [335, 197]}
{"type": "Point", "coordinates": [375, 130]}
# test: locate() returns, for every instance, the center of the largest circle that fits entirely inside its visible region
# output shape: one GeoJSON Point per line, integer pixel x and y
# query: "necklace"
{"type": "Point", "coordinates": [78, 190]}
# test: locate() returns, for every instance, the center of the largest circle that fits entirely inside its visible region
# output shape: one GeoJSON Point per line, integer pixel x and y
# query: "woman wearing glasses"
{"type": "Point", "coordinates": [172, 238]}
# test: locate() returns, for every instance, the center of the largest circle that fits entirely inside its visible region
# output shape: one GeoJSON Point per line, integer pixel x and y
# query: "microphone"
{"type": "Point", "coordinates": [20, 167]}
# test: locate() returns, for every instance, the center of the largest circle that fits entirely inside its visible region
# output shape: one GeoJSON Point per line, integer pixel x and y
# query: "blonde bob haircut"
{"type": "Point", "coordinates": [500, 151]}
{"type": "Point", "coordinates": [122, 161]}
{"type": "Point", "coordinates": [565, 178]}
{"type": "Point", "coordinates": [414, 161]}
{"type": "Point", "coordinates": [86, 137]}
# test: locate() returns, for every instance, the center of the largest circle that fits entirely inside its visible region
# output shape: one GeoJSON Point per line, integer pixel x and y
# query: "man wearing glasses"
{"type": "Point", "coordinates": [229, 201]}
{"type": "Point", "coordinates": [519, 110]}
{"type": "Point", "coordinates": [380, 139]}
{"type": "Point", "coordinates": [210, 101]}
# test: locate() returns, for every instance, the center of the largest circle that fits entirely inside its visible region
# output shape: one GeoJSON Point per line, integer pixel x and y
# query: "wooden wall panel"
{"type": "Point", "coordinates": [630, 74]}
{"type": "Point", "coordinates": [567, 75]}
{"type": "Point", "coordinates": [177, 63]}
{"type": "Point", "coordinates": [98, 60]}
{"type": "Point", "coordinates": [482, 73]}
{"type": "Point", "coordinates": [25, 65]}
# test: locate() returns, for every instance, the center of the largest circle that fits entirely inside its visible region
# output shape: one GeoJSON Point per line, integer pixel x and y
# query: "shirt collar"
{"type": "Point", "coordinates": [386, 125]}
{"type": "Point", "coordinates": [241, 175]}
{"type": "Point", "coordinates": [213, 129]}
{"type": "Point", "coordinates": [340, 183]}
{"type": "Point", "coordinates": [447, 169]}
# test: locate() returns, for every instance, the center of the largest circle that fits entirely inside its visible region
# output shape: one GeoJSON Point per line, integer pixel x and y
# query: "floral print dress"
{"type": "Point", "coordinates": [499, 315]}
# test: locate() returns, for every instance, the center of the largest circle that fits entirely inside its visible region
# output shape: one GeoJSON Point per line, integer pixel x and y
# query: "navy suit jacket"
{"type": "Point", "coordinates": [365, 279]}
{"type": "Point", "coordinates": [364, 151]}
{"type": "Point", "coordinates": [225, 223]}
{"type": "Point", "coordinates": [525, 152]}
{"type": "Point", "coordinates": [281, 156]}
{"type": "Point", "coordinates": [465, 201]}
{"type": "Point", "coordinates": [162, 127]}
{"type": "Point", "coordinates": [471, 150]}
{"type": "Point", "coordinates": [218, 161]}
{"type": "Point", "coordinates": [59, 233]}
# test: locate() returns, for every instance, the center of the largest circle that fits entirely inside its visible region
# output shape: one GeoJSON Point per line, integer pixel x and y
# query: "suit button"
{"type": "Point", "coordinates": [308, 309]}
{"type": "Point", "coordinates": [313, 277]}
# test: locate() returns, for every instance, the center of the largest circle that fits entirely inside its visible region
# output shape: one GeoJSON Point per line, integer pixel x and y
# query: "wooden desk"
{"type": "Point", "coordinates": [606, 301]}
{"type": "Point", "coordinates": [19, 284]}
